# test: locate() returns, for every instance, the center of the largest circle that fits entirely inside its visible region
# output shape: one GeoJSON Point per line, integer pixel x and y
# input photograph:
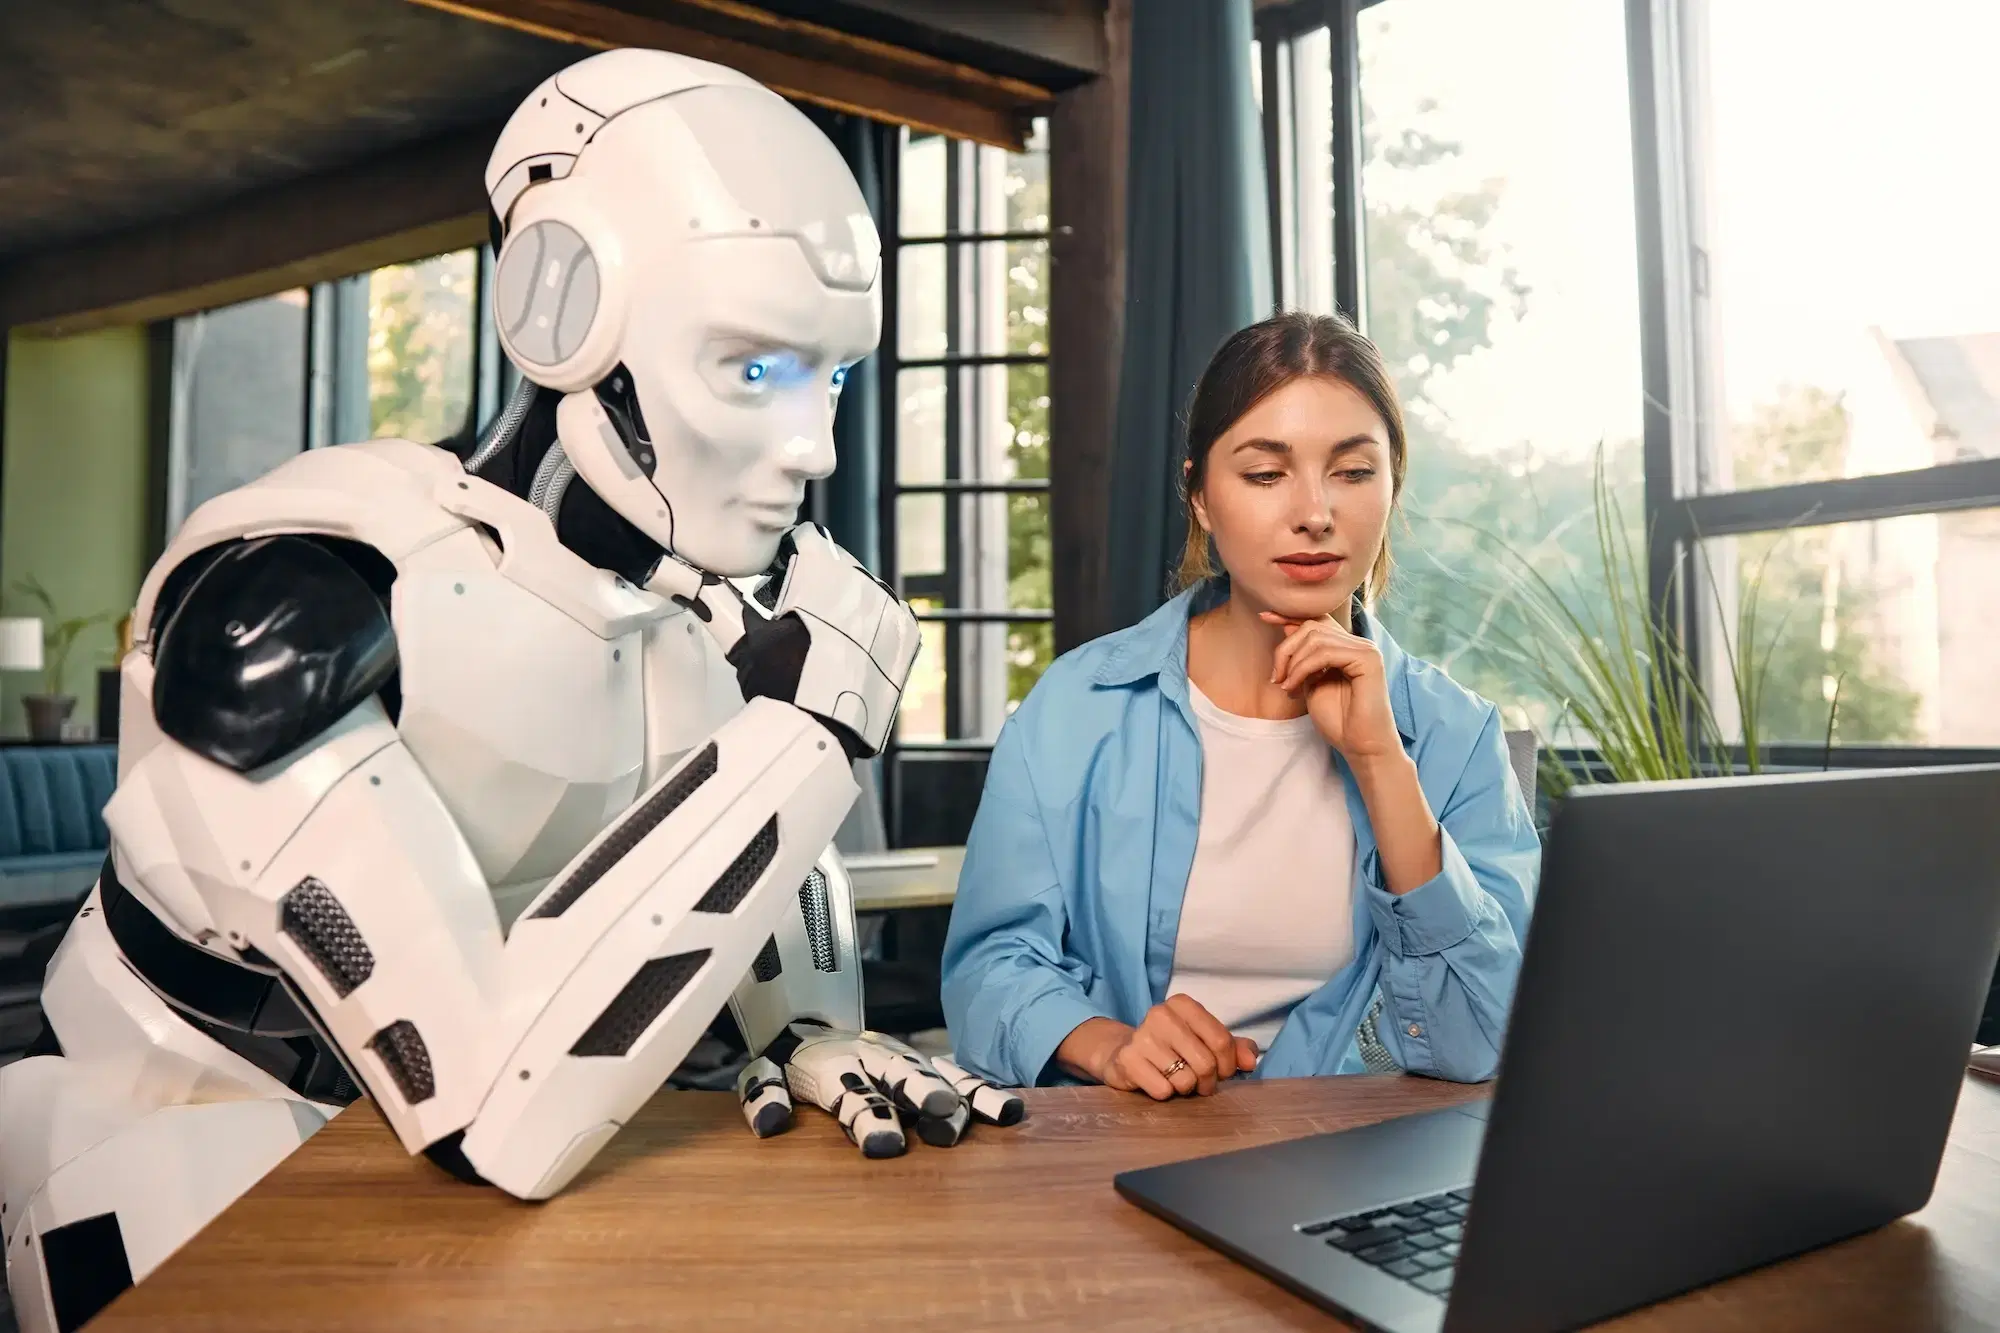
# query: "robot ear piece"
{"type": "Point", "coordinates": [555, 317]}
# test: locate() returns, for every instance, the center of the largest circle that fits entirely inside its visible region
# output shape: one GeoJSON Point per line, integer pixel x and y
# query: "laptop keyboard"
{"type": "Point", "coordinates": [1415, 1241]}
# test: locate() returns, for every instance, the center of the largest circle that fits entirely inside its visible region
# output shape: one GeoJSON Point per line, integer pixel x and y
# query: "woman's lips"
{"type": "Point", "coordinates": [1310, 567]}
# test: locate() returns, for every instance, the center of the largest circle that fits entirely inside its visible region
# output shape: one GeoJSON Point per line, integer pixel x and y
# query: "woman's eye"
{"type": "Point", "coordinates": [1262, 478]}
{"type": "Point", "coordinates": [1359, 474]}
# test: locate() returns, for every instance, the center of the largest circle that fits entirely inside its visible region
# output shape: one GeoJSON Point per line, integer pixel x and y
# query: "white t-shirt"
{"type": "Point", "coordinates": [1268, 916]}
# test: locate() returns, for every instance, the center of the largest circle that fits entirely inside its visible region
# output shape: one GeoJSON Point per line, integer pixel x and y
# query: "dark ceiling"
{"type": "Point", "coordinates": [116, 113]}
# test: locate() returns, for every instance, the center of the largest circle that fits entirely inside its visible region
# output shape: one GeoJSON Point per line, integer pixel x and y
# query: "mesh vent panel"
{"type": "Point", "coordinates": [314, 919]}
{"type": "Point", "coordinates": [728, 892]}
{"type": "Point", "coordinates": [645, 997]}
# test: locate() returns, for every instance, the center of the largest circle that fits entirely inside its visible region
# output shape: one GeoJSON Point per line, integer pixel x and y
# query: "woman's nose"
{"type": "Point", "coordinates": [1317, 517]}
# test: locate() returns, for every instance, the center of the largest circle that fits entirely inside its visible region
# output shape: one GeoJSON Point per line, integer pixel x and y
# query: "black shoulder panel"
{"type": "Point", "coordinates": [273, 642]}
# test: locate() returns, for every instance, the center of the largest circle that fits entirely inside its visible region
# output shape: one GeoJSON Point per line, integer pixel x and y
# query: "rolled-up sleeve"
{"type": "Point", "coordinates": [1451, 947]}
{"type": "Point", "coordinates": [1010, 992]}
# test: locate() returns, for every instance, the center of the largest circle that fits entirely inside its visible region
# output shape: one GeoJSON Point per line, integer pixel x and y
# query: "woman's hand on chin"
{"type": "Point", "coordinates": [1178, 1049]}
{"type": "Point", "coordinates": [1341, 677]}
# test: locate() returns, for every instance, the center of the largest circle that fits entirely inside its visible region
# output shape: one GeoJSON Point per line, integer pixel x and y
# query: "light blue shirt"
{"type": "Point", "coordinates": [1069, 903]}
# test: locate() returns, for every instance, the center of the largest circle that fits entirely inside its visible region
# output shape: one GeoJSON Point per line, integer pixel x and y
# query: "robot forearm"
{"type": "Point", "coordinates": [345, 872]}
{"type": "Point", "coordinates": [631, 952]}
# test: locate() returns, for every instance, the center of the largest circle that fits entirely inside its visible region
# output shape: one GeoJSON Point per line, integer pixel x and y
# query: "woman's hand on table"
{"type": "Point", "coordinates": [1178, 1049]}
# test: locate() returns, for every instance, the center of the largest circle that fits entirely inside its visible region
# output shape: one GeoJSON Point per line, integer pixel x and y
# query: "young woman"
{"type": "Point", "coordinates": [1208, 842]}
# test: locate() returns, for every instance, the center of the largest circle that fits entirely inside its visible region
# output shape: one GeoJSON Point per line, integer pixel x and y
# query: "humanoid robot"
{"type": "Point", "coordinates": [483, 785]}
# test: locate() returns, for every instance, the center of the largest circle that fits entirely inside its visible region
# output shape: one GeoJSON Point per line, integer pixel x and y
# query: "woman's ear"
{"type": "Point", "coordinates": [1200, 512]}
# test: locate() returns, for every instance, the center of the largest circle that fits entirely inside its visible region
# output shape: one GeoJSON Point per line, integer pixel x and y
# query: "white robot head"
{"type": "Point", "coordinates": [688, 259]}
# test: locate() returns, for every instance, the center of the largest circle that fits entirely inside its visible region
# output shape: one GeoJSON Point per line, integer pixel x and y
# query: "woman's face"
{"type": "Point", "coordinates": [1297, 496]}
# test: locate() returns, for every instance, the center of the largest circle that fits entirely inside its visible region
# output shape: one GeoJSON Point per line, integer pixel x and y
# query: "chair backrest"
{"type": "Point", "coordinates": [1521, 753]}
{"type": "Point", "coordinates": [52, 798]}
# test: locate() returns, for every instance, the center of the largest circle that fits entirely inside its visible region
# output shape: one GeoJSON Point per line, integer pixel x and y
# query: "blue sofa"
{"type": "Point", "coordinates": [52, 842]}
{"type": "Point", "coordinates": [52, 834]}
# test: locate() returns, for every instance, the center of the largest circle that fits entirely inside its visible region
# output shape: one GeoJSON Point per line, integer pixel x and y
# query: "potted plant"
{"type": "Point", "coordinates": [1622, 677]}
{"type": "Point", "coordinates": [50, 709]}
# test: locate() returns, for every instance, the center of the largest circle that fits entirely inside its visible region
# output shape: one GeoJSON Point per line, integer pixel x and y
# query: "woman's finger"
{"type": "Point", "coordinates": [1209, 1029]}
{"type": "Point", "coordinates": [1327, 654]}
{"type": "Point", "coordinates": [1319, 658]}
{"type": "Point", "coordinates": [1187, 1046]}
{"type": "Point", "coordinates": [1150, 1050]}
{"type": "Point", "coordinates": [1297, 639]}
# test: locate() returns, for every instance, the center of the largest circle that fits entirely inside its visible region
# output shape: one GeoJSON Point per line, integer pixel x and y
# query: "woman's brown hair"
{"type": "Point", "coordinates": [1255, 363]}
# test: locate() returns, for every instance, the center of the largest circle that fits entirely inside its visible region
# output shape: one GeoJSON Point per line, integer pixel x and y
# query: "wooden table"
{"type": "Point", "coordinates": [921, 886]}
{"type": "Point", "coordinates": [686, 1222]}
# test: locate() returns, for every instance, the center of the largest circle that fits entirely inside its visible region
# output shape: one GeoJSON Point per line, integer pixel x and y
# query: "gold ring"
{"type": "Point", "coordinates": [1174, 1068]}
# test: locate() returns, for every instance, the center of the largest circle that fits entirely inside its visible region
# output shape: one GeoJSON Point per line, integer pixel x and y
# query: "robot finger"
{"type": "Point", "coordinates": [767, 1102]}
{"type": "Point", "coordinates": [946, 1130]}
{"type": "Point", "coordinates": [995, 1106]}
{"type": "Point", "coordinates": [912, 1085]}
{"type": "Point", "coordinates": [836, 1082]}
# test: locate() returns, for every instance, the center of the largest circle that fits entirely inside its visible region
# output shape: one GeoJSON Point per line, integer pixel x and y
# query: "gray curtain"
{"type": "Point", "coordinates": [1197, 267]}
{"type": "Point", "coordinates": [846, 500]}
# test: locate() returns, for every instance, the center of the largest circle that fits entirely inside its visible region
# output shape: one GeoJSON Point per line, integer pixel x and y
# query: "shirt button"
{"type": "Point", "coordinates": [1416, 1031]}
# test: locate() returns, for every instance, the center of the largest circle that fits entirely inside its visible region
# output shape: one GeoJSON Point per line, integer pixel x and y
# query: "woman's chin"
{"type": "Point", "coordinates": [1303, 601]}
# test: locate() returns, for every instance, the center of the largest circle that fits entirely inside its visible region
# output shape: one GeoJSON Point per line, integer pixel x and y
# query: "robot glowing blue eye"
{"type": "Point", "coordinates": [839, 376]}
{"type": "Point", "coordinates": [755, 371]}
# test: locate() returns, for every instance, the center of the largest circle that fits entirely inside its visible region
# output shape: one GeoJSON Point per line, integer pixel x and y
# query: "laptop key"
{"type": "Point", "coordinates": [1443, 1217]}
{"type": "Point", "coordinates": [1382, 1254]}
{"type": "Point", "coordinates": [1437, 1284]}
{"type": "Point", "coordinates": [1451, 1249]}
{"type": "Point", "coordinates": [1430, 1261]}
{"type": "Point", "coordinates": [1463, 1196]}
{"type": "Point", "coordinates": [1409, 1209]}
{"type": "Point", "coordinates": [1456, 1231]}
{"type": "Point", "coordinates": [1426, 1241]}
{"type": "Point", "coordinates": [1318, 1228]}
{"type": "Point", "coordinates": [1352, 1241]}
{"type": "Point", "coordinates": [1413, 1226]}
{"type": "Point", "coordinates": [1403, 1268]}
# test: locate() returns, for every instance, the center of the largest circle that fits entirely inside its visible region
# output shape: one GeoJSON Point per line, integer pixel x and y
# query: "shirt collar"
{"type": "Point", "coordinates": [1157, 647]}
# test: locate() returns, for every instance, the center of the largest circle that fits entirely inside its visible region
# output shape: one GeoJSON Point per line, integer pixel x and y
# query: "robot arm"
{"type": "Point", "coordinates": [836, 640]}
{"type": "Point", "coordinates": [283, 826]}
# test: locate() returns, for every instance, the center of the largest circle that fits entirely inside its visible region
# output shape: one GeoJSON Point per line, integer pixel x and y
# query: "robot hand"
{"type": "Point", "coordinates": [820, 633]}
{"type": "Point", "coordinates": [872, 1084]}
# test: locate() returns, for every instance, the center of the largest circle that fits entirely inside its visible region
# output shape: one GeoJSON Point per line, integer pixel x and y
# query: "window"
{"type": "Point", "coordinates": [1848, 321]}
{"type": "Point", "coordinates": [239, 398]}
{"type": "Point", "coordinates": [393, 352]}
{"type": "Point", "coordinates": [1498, 278]}
{"type": "Point", "coordinates": [965, 515]}
{"type": "Point", "coordinates": [1761, 306]}
{"type": "Point", "coordinates": [421, 335]}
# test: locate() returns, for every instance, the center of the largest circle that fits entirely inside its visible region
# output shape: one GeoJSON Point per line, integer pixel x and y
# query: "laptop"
{"type": "Point", "coordinates": [1739, 1034]}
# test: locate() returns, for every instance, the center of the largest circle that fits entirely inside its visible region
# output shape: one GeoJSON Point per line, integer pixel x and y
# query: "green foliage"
{"type": "Point", "coordinates": [59, 635]}
{"type": "Point", "coordinates": [1030, 557]}
{"type": "Point", "coordinates": [1522, 574]}
{"type": "Point", "coordinates": [420, 334]}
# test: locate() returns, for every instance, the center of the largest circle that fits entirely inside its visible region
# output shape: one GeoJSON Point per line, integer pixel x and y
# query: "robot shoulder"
{"type": "Point", "coordinates": [263, 643]}
{"type": "Point", "coordinates": [384, 494]}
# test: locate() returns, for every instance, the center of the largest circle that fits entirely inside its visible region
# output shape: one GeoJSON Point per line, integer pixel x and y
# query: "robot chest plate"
{"type": "Point", "coordinates": [535, 730]}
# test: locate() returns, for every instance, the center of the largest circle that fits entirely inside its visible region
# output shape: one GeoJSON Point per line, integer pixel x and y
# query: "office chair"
{"type": "Point", "coordinates": [1521, 757]}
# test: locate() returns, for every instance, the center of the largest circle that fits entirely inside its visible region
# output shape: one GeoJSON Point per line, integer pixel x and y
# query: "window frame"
{"type": "Point", "coordinates": [1662, 39]}
{"type": "Point", "coordinates": [897, 753]}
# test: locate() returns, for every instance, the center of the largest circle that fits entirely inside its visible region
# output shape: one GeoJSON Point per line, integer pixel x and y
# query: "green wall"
{"type": "Point", "coordinates": [74, 494]}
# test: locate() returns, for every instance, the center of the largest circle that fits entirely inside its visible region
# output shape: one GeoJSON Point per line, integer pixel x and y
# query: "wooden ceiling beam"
{"type": "Point", "coordinates": [410, 204]}
{"type": "Point", "coordinates": [799, 59]}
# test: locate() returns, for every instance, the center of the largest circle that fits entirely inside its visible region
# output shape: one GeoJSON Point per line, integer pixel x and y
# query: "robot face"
{"type": "Point", "coordinates": [738, 373]}
{"type": "Point", "coordinates": [712, 244]}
